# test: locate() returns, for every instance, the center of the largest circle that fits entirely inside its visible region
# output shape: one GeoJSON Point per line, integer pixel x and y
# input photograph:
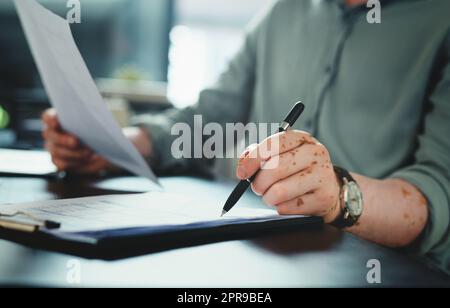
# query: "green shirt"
{"type": "Point", "coordinates": [377, 95]}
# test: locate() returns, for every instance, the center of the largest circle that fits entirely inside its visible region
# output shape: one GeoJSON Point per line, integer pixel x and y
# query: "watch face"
{"type": "Point", "coordinates": [353, 199]}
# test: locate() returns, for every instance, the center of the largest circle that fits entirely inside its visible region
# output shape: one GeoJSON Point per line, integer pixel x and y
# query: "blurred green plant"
{"type": "Point", "coordinates": [4, 118]}
{"type": "Point", "coordinates": [131, 72]}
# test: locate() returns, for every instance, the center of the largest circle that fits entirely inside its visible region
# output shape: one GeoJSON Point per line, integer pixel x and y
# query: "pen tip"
{"type": "Point", "coordinates": [223, 213]}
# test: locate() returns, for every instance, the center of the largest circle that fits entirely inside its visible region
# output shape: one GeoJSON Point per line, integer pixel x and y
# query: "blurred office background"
{"type": "Point", "coordinates": [142, 53]}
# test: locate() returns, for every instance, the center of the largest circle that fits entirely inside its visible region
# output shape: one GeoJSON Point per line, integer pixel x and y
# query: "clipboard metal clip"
{"type": "Point", "coordinates": [7, 222]}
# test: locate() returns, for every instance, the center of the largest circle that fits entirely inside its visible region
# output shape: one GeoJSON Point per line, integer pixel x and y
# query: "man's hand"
{"type": "Point", "coordinates": [68, 154]}
{"type": "Point", "coordinates": [296, 175]}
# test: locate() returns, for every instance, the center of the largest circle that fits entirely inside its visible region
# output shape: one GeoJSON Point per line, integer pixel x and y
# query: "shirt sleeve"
{"type": "Point", "coordinates": [431, 171]}
{"type": "Point", "coordinates": [229, 100]}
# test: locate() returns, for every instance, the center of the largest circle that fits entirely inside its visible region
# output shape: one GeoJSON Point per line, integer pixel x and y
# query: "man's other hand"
{"type": "Point", "coordinates": [68, 153]}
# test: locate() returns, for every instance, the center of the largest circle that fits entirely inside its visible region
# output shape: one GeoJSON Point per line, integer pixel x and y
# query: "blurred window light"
{"type": "Point", "coordinates": [206, 35]}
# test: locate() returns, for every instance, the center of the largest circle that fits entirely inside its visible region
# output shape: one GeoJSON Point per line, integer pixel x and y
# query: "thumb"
{"type": "Point", "coordinates": [50, 118]}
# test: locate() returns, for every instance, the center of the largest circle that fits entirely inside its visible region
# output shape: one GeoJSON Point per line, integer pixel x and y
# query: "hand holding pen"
{"type": "Point", "coordinates": [302, 180]}
{"type": "Point", "coordinates": [240, 189]}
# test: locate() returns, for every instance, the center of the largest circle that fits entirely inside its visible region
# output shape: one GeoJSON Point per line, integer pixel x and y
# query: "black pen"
{"type": "Point", "coordinates": [244, 184]}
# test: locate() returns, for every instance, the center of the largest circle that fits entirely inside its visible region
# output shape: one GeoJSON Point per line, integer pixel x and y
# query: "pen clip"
{"type": "Point", "coordinates": [10, 223]}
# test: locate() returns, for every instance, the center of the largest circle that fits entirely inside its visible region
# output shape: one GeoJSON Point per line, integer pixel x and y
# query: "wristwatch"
{"type": "Point", "coordinates": [352, 203]}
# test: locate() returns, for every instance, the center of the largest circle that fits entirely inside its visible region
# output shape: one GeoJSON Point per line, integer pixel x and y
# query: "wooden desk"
{"type": "Point", "coordinates": [325, 257]}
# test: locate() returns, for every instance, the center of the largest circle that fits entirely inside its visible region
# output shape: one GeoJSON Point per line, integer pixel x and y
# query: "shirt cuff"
{"type": "Point", "coordinates": [432, 185]}
{"type": "Point", "coordinates": [158, 127]}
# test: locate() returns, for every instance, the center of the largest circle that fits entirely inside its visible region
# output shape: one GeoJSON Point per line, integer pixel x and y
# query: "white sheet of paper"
{"type": "Point", "coordinates": [153, 209]}
{"type": "Point", "coordinates": [26, 162]}
{"type": "Point", "coordinates": [72, 91]}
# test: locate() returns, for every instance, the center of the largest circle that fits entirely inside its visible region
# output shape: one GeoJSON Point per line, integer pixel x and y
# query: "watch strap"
{"type": "Point", "coordinates": [342, 223]}
{"type": "Point", "coordinates": [343, 174]}
{"type": "Point", "coordinates": [343, 220]}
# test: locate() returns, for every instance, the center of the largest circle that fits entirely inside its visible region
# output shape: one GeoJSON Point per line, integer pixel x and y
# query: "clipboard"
{"type": "Point", "coordinates": [113, 227]}
{"type": "Point", "coordinates": [119, 244]}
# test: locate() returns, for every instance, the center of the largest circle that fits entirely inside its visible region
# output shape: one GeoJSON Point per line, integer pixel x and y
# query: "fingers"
{"type": "Point", "coordinates": [244, 160]}
{"type": "Point", "coordinates": [289, 163]}
{"type": "Point", "coordinates": [66, 159]}
{"type": "Point", "coordinates": [66, 165]}
{"type": "Point", "coordinates": [65, 149]}
{"type": "Point", "coordinates": [294, 186]}
{"type": "Point", "coordinates": [94, 165]}
{"type": "Point", "coordinates": [309, 204]}
{"type": "Point", "coordinates": [68, 154]}
{"type": "Point", "coordinates": [53, 131]}
{"type": "Point", "coordinates": [65, 153]}
{"type": "Point", "coordinates": [273, 146]}
{"type": "Point", "coordinates": [303, 205]}
{"type": "Point", "coordinates": [61, 139]}
{"type": "Point", "coordinates": [295, 174]}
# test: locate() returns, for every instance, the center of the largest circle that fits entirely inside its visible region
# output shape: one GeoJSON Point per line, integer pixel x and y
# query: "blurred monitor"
{"type": "Point", "coordinates": [117, 38]}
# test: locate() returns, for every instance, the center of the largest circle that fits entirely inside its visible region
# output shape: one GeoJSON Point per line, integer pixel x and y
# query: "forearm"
{"type": "Point", "coordinates": [395, 212]}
